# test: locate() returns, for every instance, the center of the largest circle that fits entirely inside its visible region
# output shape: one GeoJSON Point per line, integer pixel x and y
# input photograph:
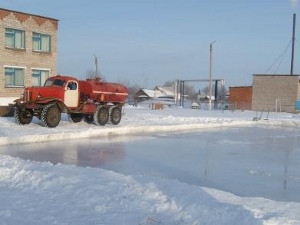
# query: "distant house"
{"type": "Point", "coordinates": [164, 95]}
{"type": "Point", "coordinates": [156, 93]}
{"type": "Point", "coordinates": [28, 53]}
{"type": "Point", "coordinates": [165, 92]}
{"type": "Point", "coordinates": [144, 94]}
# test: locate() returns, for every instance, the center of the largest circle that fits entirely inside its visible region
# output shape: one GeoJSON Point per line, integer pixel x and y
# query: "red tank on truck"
{"type": "Point", "coordinates": [92, 100]}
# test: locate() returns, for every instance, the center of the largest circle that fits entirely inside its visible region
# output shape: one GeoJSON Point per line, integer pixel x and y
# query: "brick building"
{"type": "Point", "coordinates": [275, 92]}
{"type": "Point", "coordinates": [240, 98]}
{"type": "Point", "coordinates": [28, 53]}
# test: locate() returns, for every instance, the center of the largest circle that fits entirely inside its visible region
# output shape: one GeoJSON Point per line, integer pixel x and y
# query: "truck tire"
{"type": "Point", "coordinates": [89, 118]}
{"type": "Point", "coordinates": [22, 116]}
{"type": "Point", "coordinates": [101, 116]}
{"type": "Point", "coordinates": [75, 117]}
{"type": "Point", "coordinates": [51, 115]}
{"type": "Point", "coordinates": [115, 115]}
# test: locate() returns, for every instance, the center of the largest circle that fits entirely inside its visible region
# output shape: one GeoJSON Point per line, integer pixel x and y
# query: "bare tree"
{"type": "Point", "coordinates": [189, 89]}
{"type": "Point", "coordinates": [132, 91]}
{"type": "Point", "coordinates": [90, 74]}
{"type": "Point", "coordinates": [169, 83]}
{"type": "Point", "coordinates": [221, 90]}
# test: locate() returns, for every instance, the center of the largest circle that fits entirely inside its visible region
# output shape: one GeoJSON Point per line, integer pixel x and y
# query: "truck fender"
{"type": "Point", "coordinates": [58, 102]}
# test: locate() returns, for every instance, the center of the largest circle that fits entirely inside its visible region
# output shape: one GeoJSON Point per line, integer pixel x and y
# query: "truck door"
{"type": "Point", "coordinates": [71, 94]}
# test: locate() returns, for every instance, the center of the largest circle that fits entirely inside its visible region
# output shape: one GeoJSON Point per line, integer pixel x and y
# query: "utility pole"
{"type": "Point", "coordinates": [96, 66]}
{"type": "Point", "coordinates": [210, 73]}
{"type": "Point", "coordinates": [293, 44]}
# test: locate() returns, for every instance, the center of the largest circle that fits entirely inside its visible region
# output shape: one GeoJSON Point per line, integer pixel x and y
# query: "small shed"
{"type": "Point", "coordinates": [240, 98]}
{"type": "Point", "coordinates": [275, 93]}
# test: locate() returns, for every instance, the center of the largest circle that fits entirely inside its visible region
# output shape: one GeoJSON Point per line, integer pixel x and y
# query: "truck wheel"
{"type": "Point", "coordinates": [115, 115]}
{"type": "Point", "coordinates": [75, 117]}
{"type": "Point", "coordinates": [22, 116]}
{"type": "Point", "coordinates": [50, 115]}
{"type": "Point", "coordinates": [89, 118]}
{"type": "Point", "coordinates": [101, 115]}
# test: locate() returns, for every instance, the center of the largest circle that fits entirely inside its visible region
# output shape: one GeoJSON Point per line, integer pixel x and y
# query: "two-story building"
{"type": "Point", "coordinates": [28, 51]}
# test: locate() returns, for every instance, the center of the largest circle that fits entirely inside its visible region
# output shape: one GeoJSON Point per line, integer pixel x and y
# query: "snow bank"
{"type": "Point", "coordinates": [138, 121]}
{"type": "Point", "coordinates": [41, 193]}
{"type": "Point", "coordinates": [6, 101]}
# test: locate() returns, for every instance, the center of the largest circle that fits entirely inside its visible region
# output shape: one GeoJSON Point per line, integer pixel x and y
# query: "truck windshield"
{"type": "Point", "coordinates": [56, 82]}
{"type": "Point", "coordinates": [48, 83]}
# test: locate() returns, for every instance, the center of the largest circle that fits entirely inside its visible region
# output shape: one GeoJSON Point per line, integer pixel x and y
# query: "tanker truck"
{"type": "Point", "coordinates": [92, 100]}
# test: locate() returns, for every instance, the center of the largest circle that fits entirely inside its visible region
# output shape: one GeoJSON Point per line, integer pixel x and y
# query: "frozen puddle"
{"type": "Point", "coordinates": [251, 161]}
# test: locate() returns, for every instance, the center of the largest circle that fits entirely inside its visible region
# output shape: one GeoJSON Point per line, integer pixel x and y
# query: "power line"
{"type": "Point", "coordinates": [279, 58]}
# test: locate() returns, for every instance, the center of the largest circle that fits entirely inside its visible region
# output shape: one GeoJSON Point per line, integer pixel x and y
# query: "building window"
{"type": "Point", "coordinates": [41, 42]}
{"type": "Point", "coordinates": [14, 77]}
{"type": "Point", "coordinates": [39, 77]}
{"type": "Point", "coordinates": [14, 38]}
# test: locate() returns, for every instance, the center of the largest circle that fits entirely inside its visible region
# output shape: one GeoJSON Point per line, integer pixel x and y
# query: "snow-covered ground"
{"type": "Point", "coordinates": [43, 193]}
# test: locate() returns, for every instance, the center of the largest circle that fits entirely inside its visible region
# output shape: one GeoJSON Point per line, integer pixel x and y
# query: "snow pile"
{"type": "Point", "coordinates": [43, 193]}
{"type": "Point", "coordinates": [7, 101]}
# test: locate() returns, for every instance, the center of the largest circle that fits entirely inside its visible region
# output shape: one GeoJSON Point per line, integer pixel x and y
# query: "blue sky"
{"type": "Point", "coordinates": [148, 42]}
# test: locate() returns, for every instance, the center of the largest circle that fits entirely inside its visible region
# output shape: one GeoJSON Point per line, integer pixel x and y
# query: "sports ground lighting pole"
{"type": "Point", "coordinates": [210, 73]}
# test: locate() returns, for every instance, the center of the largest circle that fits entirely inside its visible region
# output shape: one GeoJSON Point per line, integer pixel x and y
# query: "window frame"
{"type": "Point", "coordinates": [14, 73]}
{"type": "Point", "coordinates": [39, 40]}
{"type": "Point", "coordinates": [38, 72]}
{"type": "Point", "coordinates": [12, 33]}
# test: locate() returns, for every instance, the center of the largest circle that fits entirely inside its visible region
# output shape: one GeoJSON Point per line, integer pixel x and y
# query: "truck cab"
{"type": "Point", "coordinates": [69, 91]}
